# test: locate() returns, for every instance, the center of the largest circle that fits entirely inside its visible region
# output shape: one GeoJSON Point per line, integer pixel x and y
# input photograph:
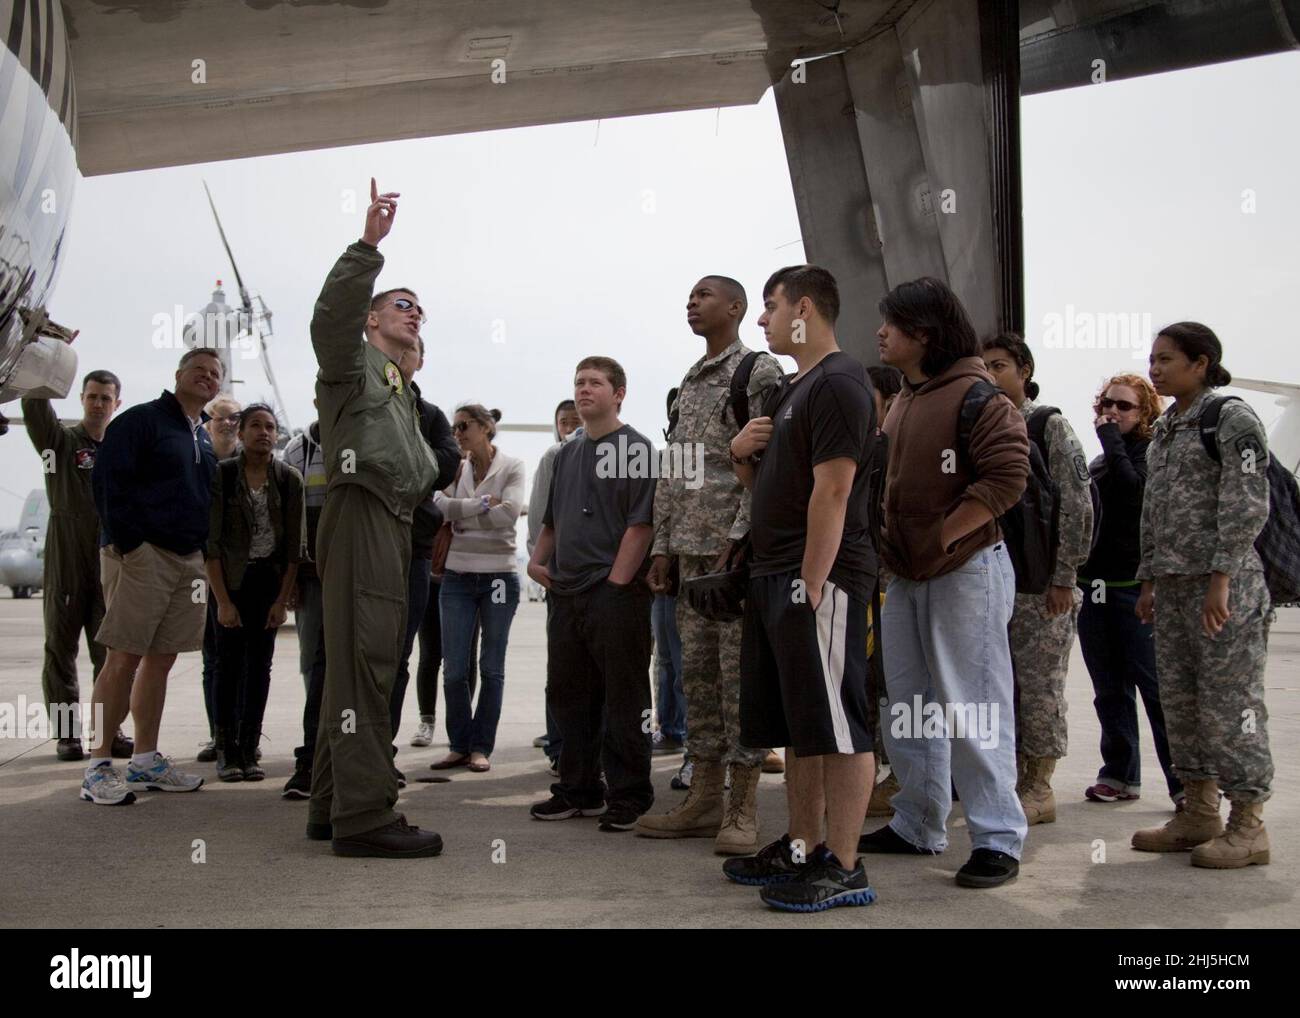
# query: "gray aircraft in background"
{"type": "Point", "coordinates": [22, 549]}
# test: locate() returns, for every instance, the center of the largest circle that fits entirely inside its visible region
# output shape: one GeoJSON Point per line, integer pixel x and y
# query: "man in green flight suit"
{"type": "Point", "coordinates": [73, 598]}
{"type": "Point", "coordinates": [378, 468]}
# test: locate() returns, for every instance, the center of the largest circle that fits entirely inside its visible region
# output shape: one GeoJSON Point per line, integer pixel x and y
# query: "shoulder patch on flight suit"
{"type": "Point", "coordinates": [393, 376]}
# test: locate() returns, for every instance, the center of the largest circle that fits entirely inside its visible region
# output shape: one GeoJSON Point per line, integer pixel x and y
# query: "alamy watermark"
{"type": "Point", "coordinates": [1106, 330]}
{"type": "Point", "coordinates": [921, 720]}
{"type": "Point", "coordinates": [637, 460]}
{"type": "Point", "coordinates": [24, 720]}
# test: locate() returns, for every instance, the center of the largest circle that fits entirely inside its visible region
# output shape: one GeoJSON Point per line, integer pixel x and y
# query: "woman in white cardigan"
{"type": "Point", "coordinates": [481, 583]}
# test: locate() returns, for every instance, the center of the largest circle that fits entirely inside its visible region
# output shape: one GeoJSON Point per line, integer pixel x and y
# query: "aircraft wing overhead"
{"type": "Point", "coordinates": [170, 82]}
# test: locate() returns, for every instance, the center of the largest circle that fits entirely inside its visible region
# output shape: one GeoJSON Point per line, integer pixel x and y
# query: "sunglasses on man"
{"type": "Point", "coordinates": [403, 304]}
{"type": "Point", "coordinates": [1122, 405]}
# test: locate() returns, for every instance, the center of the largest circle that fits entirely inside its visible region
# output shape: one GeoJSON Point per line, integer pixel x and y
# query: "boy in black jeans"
{"type": "Point", "coordinates": [591, 556]}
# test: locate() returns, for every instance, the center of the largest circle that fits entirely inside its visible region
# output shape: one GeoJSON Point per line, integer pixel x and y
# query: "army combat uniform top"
{"type": "Point", "coordinates": [694, 519]}
{"type": "Point", "coordinates": [378, 468]}
{"type": "Point", "coordinates": [1199, 517]}
{"type": "Point", "coordinates": [73, 600]}
{"type": "Point", "coordinates": [1040, 643]}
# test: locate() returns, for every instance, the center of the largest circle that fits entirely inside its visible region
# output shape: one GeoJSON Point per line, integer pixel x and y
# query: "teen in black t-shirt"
{"type": "Point", "coordinates": [803, 664]}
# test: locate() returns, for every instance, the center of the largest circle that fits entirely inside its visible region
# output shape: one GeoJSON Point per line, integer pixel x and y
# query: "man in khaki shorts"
{"type": "Point", "coordinates": [153, 489]}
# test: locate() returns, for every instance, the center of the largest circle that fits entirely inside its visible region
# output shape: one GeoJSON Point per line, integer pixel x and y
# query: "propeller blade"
{"type": "Point", "coordinates": [243, 292]}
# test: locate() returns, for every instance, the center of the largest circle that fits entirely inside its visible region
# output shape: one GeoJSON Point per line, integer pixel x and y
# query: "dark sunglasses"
{"type": "Point", "coordinates": [460, 426]}
{"type": "Point", "coordinates": [1122, 405]}
{"type": "Point", "coordinates": [402, 304]}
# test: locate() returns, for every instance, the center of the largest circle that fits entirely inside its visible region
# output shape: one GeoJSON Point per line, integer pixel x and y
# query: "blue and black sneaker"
{"type": "Point", "coordinates": [823, 883]}
{"type": "Point", "coordinates": [772, 864]}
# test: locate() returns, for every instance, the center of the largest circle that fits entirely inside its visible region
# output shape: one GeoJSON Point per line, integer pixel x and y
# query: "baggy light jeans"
{"type": "Point", "coordinates": [945, 642]}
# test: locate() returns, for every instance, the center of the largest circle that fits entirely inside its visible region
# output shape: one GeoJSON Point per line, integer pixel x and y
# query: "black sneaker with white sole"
{"type": "Point", "coordinates": [772, 864]}
{"type": "Point", "coordinates": [556, 808]}
{"type": "Point", "coordinates": [619, 817]}
{"type": "Point", "coordinates": [299, 784]}
{"type": "Point", "coordinates": [823, 883]}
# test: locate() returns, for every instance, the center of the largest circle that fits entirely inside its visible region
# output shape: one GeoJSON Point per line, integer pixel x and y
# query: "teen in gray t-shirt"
{"type": "Point", "coordinates": [599, 488]}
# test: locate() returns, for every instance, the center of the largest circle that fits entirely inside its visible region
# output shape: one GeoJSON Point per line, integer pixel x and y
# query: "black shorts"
{"type": "Point", "coordinates": [803, 674]}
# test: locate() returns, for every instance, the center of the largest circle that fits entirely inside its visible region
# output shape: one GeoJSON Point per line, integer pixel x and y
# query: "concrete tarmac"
{"type": "Point", "coordinates": [234, 855]}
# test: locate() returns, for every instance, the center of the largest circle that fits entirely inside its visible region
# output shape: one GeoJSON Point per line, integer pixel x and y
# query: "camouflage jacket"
{"type": "Point", "coordinates": [698, 514]}
{"type": "Point", "coordinates": [1199, 516]}
{"type": "Point", "coordinates": [1069, 469]}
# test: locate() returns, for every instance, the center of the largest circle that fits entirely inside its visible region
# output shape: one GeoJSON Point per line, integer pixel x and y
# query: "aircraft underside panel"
{"type": "Point", "coordinates": [927, 112]}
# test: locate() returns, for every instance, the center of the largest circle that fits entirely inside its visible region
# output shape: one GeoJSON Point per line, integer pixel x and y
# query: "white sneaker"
{"type": "Point", "coordinates": [103, 785]}
{"type": "Point", "coordinates": [423, 733]}
{"type": "Point", "coordinates": [162, 777]}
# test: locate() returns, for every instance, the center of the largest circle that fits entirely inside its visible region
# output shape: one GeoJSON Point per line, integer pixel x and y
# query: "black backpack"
{"type": "Point", "coordinates": [1278, 543]}
{"type": "Point", "coordinates": [1031, 528]}
{"type": "Point", "coordinates": [737, 395]}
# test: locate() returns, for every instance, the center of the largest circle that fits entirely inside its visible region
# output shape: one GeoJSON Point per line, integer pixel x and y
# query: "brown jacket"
{"type": "Point", "coordinates": [928, 476]}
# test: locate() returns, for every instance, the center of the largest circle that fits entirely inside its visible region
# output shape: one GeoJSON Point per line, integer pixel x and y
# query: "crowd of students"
{"type": "Point", "coordinates": [878, 566]}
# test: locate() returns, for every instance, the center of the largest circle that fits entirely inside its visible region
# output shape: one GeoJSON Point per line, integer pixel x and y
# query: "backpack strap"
{"type": "Point", "coordinates": [972, 405]}
{"type": "Point", "coordinates": [738, 397]}
{"type": "Point", "coordinates": [1209, 424]}
{"type": "Point", "coordinates": [1037, 428]}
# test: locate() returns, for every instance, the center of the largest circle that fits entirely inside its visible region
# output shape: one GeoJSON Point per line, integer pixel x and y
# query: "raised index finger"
{"type": "Point", "coordinates": [374, 191]}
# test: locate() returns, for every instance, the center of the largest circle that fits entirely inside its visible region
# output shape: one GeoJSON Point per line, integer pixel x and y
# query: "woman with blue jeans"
{"type": "Point", "coordinates": [480, 583]}
{"type": "Point", "coordinates": [1117, 646]}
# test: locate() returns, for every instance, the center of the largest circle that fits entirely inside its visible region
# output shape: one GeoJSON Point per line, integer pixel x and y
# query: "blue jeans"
{"type": "Point", "coordinates": [1120, 652]}
{"type": "Point", "coordinates": [491, 598]}
{"type": "Point", "coordinates": [670, 702]}
{"type": "Point", "coordinates": [945, 643]}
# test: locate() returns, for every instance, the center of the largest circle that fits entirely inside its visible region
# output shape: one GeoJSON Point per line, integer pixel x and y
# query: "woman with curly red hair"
{"type": "Point", "coordinates": [1117, 646]}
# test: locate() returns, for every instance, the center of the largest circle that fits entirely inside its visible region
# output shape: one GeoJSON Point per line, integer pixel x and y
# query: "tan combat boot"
{"type": "Point", "coordinates": [1244, 843]}
{"type": "Point", "coordinates": [1036, 796]}
{"type": "Point", "coordinates": [1197, 823]}
{"type": "Point", "coordinates": [880, 795]}
{"type": "Point", "coordinates": [699, 815]}
{"type": "Point", "coordinates": [739, 833]}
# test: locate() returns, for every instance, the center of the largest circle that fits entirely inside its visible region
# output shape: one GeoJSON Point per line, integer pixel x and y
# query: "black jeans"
{"type": "Point", "coordinates": [417, 601]}
{"type": "Point", "coordinates": [244, 672]}
{"type": "Point", "coordinates": [210, 663]}
{"type": "Point", "coordinates": [310, 587]}
{"type": "Point", "coordinates": [426, 679]}
{"type": "Point", "coordinates": [598, 667]}
{"type": "Point", "coordinates": [1121, 657]}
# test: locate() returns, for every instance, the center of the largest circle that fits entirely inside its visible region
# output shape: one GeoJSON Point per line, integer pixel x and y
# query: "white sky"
{"type": "Point", "coordinates": [579, 240]}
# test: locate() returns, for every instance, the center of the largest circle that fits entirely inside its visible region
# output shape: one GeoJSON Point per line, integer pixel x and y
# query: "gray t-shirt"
{"type": "Point", "coordinates": [599, 488]}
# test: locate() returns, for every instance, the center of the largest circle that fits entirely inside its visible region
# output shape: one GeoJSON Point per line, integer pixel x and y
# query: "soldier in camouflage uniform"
{"type": "Point", "coordinates": [695, 519]}
{"type": "Point", "coordinates": [1042, 626]}
{"type": "Point", "coordinates": [72, 597]}
{"type": "Point", "coordinates": [1203, 582]}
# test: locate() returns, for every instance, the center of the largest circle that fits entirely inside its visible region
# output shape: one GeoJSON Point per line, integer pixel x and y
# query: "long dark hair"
{"type": "Point", "coordinates": [928, 306]}
{"type": "Point", "coordinates": [1197, 340]}
{"type": "Point", "coordinates": [1014, 344]}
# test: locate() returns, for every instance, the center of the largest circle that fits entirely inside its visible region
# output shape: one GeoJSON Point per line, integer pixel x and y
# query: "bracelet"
{"type": "Point", "coordinates": [747, 461]}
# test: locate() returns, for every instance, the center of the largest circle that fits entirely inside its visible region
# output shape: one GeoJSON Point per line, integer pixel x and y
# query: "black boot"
{"type": "Point", "coordinates": [230, 762]}
{"type": "Point", "coordinates": [249, 736]}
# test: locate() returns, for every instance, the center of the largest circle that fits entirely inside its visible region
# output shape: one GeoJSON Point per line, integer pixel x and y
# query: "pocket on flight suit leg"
{"type": "Point", "coordinates": [379, 629]}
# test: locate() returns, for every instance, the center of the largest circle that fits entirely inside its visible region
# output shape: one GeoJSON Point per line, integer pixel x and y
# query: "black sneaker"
{"type": "Point", "coordinates": [987, 867]}
{"type": "Point", "coordinates": [772, 864]}
{"type": "Point", "coordinates": [122, 747]}
{"type": "Point", "coordinates": [887, 841]}
{"type": "Point", "coordinates": [822, 884]}
{"type": "Point", "coordinates": [208, 752]}
{"type": "Point", "coordinates": [556, 808]}
{"type": "Point", "coordinates": [619, 817]}
{"type": "Point", "coordinates": [70, 749]}
{"type": "Point", "coordinates": [299, 785]}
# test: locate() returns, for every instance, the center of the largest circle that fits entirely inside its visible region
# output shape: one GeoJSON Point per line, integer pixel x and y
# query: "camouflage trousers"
{"type": "Point", "coordinates": [1040, 653]}
{"type": "Point", "coordinates": [711, 678]}
{"type": "Point", "coordinates": [1212, 691]}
